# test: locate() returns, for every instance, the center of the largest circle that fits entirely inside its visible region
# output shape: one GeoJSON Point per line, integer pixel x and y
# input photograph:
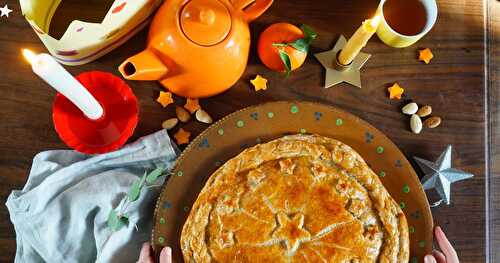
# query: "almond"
{"type": "Point", "coordinates": [415, 124]}
{"type": "Point", "coordinates": [410, 108]}
{"type": "Point", "coordinates": [170, 123]}
{"type": "Point", "coordinates": [432, 122]}
{"type": "Point", "coordinates": [182, 114]}
{"type": "Point", "coordinates": [424, 111]}
{"type": "Point", "coordinates": [202, 116]}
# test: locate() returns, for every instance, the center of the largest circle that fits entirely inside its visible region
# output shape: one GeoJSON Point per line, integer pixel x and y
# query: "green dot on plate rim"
{"type": "Point", "coordinates": [421, 244]}
{"type": "Point", "coordinates": [406, 189]}
{"type": "Point", "coordinates": [270, 115]}
{"type": "Point", "coordinates": [380, 149]}
{"type": "Point", "coordinates": [411, 229]}
{"type": "Point", "coordinates": [220, 131]}
{"type": "Point", "coordinates": [161, 240]}
{"type": "Point", "coordinates": [414, 260]}
{"type": "Point", "coordinates": [180, 173]}
{"type": "Point", "coordinates": [402, 205]}
{"type": "Point", "coordinates": [339, 122]}
{"type": "Point", "coordinates": [294, 109]}
{"type": "Point", "coordinates": [186, 208]}
{"type": "Point", "coordinates": [162, 221]}
{"type": "Point", "coordinates": [240, 123]}
{"type": "Point", "coordinates": [303, 130]}
{"type": "Point", "coordinates": [381, 174]}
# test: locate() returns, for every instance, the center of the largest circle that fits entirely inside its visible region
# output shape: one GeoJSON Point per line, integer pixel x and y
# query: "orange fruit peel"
{"type": "Point", "coordinates": [165, 99]}
{"type": "Point", "coordinates": [395, 91]}
{"type": "Point", "coordinates": [182, 136]}
{"type": "Point", "coordinates": [192, 105]}
{"type": "Point", "coordinates": [259, 83]}
{"type": "Point", "coordinates": [283, 47]}
{"type": "Point", "coordinates": [425, 55]}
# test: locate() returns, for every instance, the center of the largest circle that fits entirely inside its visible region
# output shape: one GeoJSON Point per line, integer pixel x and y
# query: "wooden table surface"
{"type": "Point", "coordinates": [460, 84]}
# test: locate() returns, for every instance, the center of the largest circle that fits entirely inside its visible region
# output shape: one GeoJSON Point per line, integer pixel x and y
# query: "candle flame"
{"type": "Point", "coordinates": [29, 55]}
{"type": "Point", "coordinates": [375, 21]}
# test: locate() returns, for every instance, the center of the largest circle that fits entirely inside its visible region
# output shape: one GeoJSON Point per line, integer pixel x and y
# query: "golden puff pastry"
{"type": "Point", "coordinates": [300, 198]}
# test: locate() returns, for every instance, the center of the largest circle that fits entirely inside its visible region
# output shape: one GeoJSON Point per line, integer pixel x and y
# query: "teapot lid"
{"type": "Point", "coordinates": [205, 22]}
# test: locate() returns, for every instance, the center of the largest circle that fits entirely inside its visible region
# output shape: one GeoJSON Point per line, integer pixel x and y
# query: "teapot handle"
{"type": "Point", "coordinates": [252, 9]}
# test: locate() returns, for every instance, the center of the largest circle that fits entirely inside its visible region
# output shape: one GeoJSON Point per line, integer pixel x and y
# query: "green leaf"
{"type": "Point", "coordinates": [115, 221]}
{"type": "Point", "coordinates": [286, 61]}
{"type": "Point", "coordinates": [300, 45]}
{"type": "Point", "coordinates": [135, 190]}
{"type": "Point", "coordinates": [309, 33]}
{"type": "Point", "coordinates": [153, 176]}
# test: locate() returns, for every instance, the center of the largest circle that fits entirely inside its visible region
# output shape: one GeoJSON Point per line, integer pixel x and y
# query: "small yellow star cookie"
{"type": "Point", "coordinates": [192, 105]}
{"type": "Point", "coordinates": [182, 136]}
{"type": "Point", "coordinates": [395, 91]}
{"type": "Point", "coordinates": [259, 83]}
{"type": "Point", "coordinates": [165, 99]}
{"type": "Point", "coordinates": [425, 55]}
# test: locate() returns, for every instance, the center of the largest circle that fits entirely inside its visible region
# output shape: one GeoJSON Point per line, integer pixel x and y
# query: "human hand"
{"type": "Point", "coordinates": [448, 254]}
{"type": "Point", "coordinates": [146, 257]}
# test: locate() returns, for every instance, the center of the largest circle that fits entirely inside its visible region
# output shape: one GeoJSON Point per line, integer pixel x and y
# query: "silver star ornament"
{"type": "Point", "coordinates": [440, 175]}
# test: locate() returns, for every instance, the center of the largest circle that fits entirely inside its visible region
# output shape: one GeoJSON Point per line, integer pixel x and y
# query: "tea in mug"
{"type": "Point", "coordinates": [406, 17]}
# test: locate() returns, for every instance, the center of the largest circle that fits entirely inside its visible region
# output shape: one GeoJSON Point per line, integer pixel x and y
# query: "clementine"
{"type": "Point", "coordinates": [283, 47]}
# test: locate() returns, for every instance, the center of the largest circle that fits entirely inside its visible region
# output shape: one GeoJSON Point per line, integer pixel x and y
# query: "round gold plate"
{"type": "Point", "coordinates": [250, 126]}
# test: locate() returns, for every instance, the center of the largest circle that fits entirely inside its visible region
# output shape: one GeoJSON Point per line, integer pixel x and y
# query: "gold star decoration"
{"type": "Point", "coordinates": [259, 83]}
{"type": "Point", "coordinates": [291, 231]}
{"type": "Point", "coordinates": [395, 91]}
{"type": "Point", "coordinates": [425, 55]}
{"type": "Point", "coordinates": [334, 76]}
{"type": "Point", "coordinates": [182, 136]}
{"type": "Point", "coordinates": [165, 99]}
{"type": "Point", "coordinates": [192, 105]}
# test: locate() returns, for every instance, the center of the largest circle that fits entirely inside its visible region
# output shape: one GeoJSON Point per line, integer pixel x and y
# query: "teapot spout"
{"type": "Point", "coordinates": [143, 66]}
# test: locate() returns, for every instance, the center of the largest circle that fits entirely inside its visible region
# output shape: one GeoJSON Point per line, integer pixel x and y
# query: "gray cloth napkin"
{"type": "Point", "coordinates": [61, 213]}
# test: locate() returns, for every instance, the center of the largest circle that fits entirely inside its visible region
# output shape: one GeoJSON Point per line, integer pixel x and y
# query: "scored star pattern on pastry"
{"type": "Point", "coordinates": [291, 231]}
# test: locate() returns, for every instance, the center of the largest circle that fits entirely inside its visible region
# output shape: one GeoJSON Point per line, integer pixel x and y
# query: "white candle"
{"type": "Point", "coordinates": [47, 68]}
{"type": "Point", "coordinates": [358, 40]}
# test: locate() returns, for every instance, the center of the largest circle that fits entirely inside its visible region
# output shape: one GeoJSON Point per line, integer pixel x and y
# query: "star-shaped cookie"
{"type": "Point", "coordinates": [192, 105]}
{"type": "Point", "coordinates": [259, 83]}
{"type": "Point", "coordinates": [5, 11]}
{"type": "Point", "coordinates": [182, 136]}
{"type": "Point", "coordinates": [395, 91]}
{"type": "Point", "coordinates": [165, 99]}
{"type": "Point", "coordinates": [425, 55]}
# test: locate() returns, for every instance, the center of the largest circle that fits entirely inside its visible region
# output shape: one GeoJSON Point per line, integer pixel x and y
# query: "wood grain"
{"type": "Point", "coordinates": [454, 84]}
{"type": "Point", "coordinates": [493, 220]}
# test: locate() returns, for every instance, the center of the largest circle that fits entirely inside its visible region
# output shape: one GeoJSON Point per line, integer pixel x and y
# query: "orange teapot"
{"type": "Point", "coordinates": [197, 48]}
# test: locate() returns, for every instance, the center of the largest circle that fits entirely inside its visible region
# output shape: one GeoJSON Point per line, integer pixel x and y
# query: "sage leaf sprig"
{"type": "Point", "coordinates": [118, 217]}
{"type": "Point", "coordinates": [301, 44]}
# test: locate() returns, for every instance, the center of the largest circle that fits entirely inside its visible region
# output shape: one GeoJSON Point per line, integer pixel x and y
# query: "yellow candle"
{"type": "Point", "coordinates": [358, 40]}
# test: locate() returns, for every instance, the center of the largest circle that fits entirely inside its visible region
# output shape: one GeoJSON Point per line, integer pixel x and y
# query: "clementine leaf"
{"type": "Point", "coordinates": [309, 33]}
{"type": "Point", "coordinates": [301, 45]}
{"type": "Point", "coordinates": [286, 61]}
